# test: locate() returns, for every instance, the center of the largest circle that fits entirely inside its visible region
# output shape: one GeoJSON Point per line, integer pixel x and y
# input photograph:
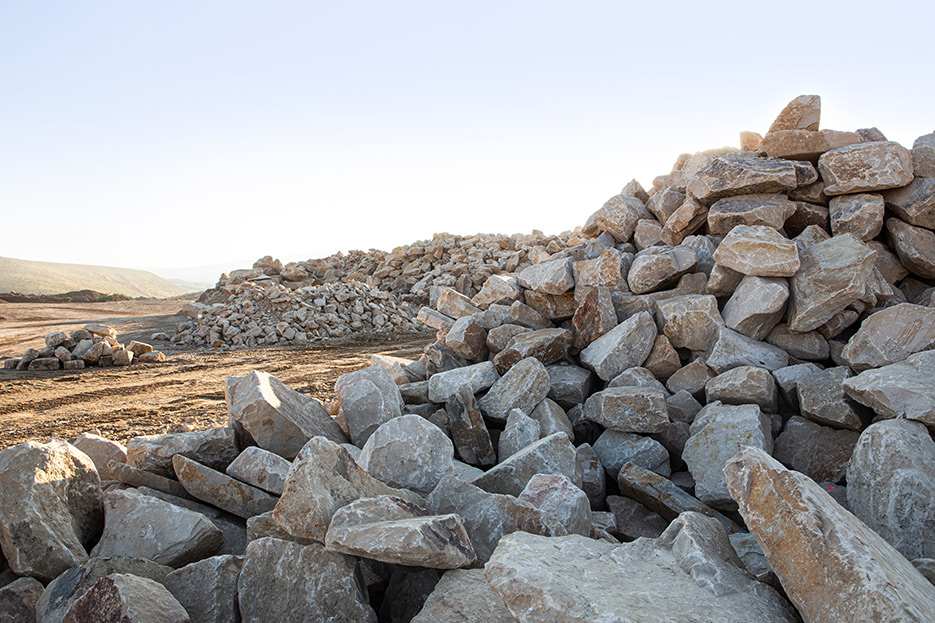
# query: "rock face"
{"type": "Point", "coordinates": [444, 385]}
{"type": "Point", "coordinates": [915, 203]}
{"type": "Point", "coordinates": [822, 399]}
{"type": "Point", "coordinates": [690, 321]}
{"type": "Point", "coordinates": [726, 177]}
{"type": "Point", "coordinates": [207, 589]}
{"type": "Point", "coordinates": [463, 595]}
{"type": "Point", "coordinates": [408, 452]}
{"type": "Point", "coordinates": [625, 346]}
{"type": "Point", "coordinates": [891, 335]}
{"type": "Point", "coordinates": [214, 447]}
{"type": "Point", "coordinates": [221, 490]}
{"type": "Point", "coordinates": [127, 598]}
{"type": "Point", "coordinates": [757, 306]}
{"type": "Point", "coordinates": [831, 565]}
{"type": "Point", "coordinates": [688, 573]}
{"type": "Point", "coordinates": [902, 389]}
{"type": "Point", "coordinates": [281, 579]}
{"type": "Point", "coordinates": [368, 398]}
{"type": "Point", "coordinates": [277, 417]}
{"type": "Point", "coordinates": [865, 167]}
{"type": "Point", "coordinates": [551, 455]}
{"type": "Point", "coordinates": [468, 431]}
{"type": "Point", "coordinates": [523, 387]}
{"type": "Point", "coordinates": [51, 507]}
{"type": "Point", "coordinates": [891, 483]}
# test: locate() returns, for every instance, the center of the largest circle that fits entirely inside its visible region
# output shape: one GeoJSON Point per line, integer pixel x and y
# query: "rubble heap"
{"type": "Point", "coordinates": [717, 407]}
{"type": "Point", "coordinates": [94, 345]}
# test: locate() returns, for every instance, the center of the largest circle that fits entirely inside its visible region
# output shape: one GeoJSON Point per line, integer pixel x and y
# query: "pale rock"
{"type": "Point", "coordinates": [525, 316]}
{"type": "Point", "coordinates": [260, 468]}
{"type": "Point", "coordinates": [614, 449]}
{"type": "Point", "coordinates": [123, 358]}
{"type": "Point", "coordinates": [44, 363]}
{"type": "Point", "coordinates": [455, 305]}
{"type": "Point", "coordinates": [463, 596]}
{"type": "Point", "coordinates": [802, 113]}
{"type": "Point", "coordinates": [467, 338]}
{"type": "Point", "coordinates": [408, 452]}
{"type": "Point", "coordinates": [625, 346]}
{"type": "Point", "coordinates": [101, 451]}
{"type": "Point", "coordinates": [498, 289]}
{"type": "Point", "coordinates": [726, 177]}
{"type": "Point", "coordinates": [435, 319]}
{"type": "Point", "coordinates": [500, 337]}
{"type": "Point", "coordinates": [207, 589]}
{"type": "Point", "coordinates": [750, 141]}
{"type": "Point", "coordinates": [553, 307]}
{"type": "Point", "coordinates": [29, 356]}
{"type": "Point", "coordinates": [658, 267]}
{"type": "Point", "coordinates": [690, 321]}
{"type": "Point", "coordinates": [769, 210]}
{"type": "Point", "coordinates": [757, 306]}
{"type": "Point", "coordinates": [368, 398]}
{"type": "Point", "coordinates": [722, 281]}
{"type": "Point", "coordinates": [214, 447]}
{"type": "Point", "coordinates": [648, 232]}
{"type": "Point", "coordinates": [546, 345]}
{"type": "Point", "coordinates": [63, 354]}
{"type": "Point", "coordinates": [734, 349]}
{"type": "Point", "coordinates": [618, 217]}
{"type": "Point", "coordinates": [609, 270]}
{"type": "Point", "coordinates": [221, 490]}
{"type": "Point", "coordinates": [691, 378]}
{"type": "Point", "coordinates": [552, 419]}
{"type": "Point", "coordinates": [744, 385]}
{"type": "Point", "coordinates": [522, 387]}
{"type": "Point", "coordinates": [662, 204]}
{"type": "Point", "coordinates": [806, 144]}
{"type": "Point", "coordinates": [865, 167]}
{"type": "Point", "coordinates": [628, 409]}
{"type": "Point", "coordinates": [139, 478]}
{"type": "Point", "coordinates": [860, 215]}
{"type": "Point", "coordinates": [637, 377]}
{"type": "Point", "coordinates": [551, 276]}
{"type": "Point", "coordinates": [127, 599]}
{"type": "Point", "coordinates": [54, 340]}
{"type": "Point", "coordinates": [556, 494]}
{"type": "Point", "coordinates": [899, 390]}
{"type": "Point", "coordinates": [787, 380]}
{"type": "Point", "coordinates": [914, 246]}
{"type": "Point", "coordinates": [820, 452]}
{"type": "Point", "coordinates": [810, 345]}
{"type": "Point", "coordinates": [479, 376]}
{"type": "Point", "coordinates": [891, 335]}
{"type": "Point", "coordinates": [468, 431]}
{"type": "Point", "coordinates": [521, 431]}
{"type": "Point", "coordinates": [822, 399]}
{"type": "Point", "coordinates": [758, 250]}
{"type": "Point", "coordinates": [690, 216]}
{"type": "Point", "coordinates": [153, 357]}
{"type": "Point", "coordinates": [551, 455]}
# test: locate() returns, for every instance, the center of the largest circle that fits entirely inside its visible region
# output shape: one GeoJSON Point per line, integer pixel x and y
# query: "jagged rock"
{"type": "Point", "coordinates": [822, 399]}
{"type": "Point", "coordinates": [592, 475]}
{"type": "Point", "coordinates": [435, 319]}
{"type": "Point", "coordinates": [479, 376]}
{"type": "Point", "coordinates": [276, 416]}
{"type": "Point", "coordinates": [915, 203]}
{"type": "Point", "coordinates": [594, 317]}
{"type": "Point", "coordinates": [722, 281]}
{"type": "Point", "coordinates": [614, 449]}
{"type": "Point", "coordinates": [139, 478]}
{"type": "Point", "coordinates": [548, 579]}
{"type": "Point", "coordinates": [101, 451]}
{"type": "Point", "coordinates": [764, 209]}
{"type": "Point", "coordinates": [468, 431]}
{"type": "Point", "coordinates": [408, 452]}
{"type": "Point", "coordinates": [914, 246]}
{"type": "Point", "coordinates": [368, 398]}
{"type": "Point", "coordinates": [467, 338]}
{"type": "Point", "coordinates": [556, 494]}
{"type": "Point", "coordinates": [690, 321]}
{"type": "Point", "coordinates": [522, 387]}
{"type": "Point", "coordinates": [214, 447]}
{"type": "Point", "coordinates": [691, 378]}
{"type": "Point", "coordinates": [521, 431]}
{"type": "Point", "coordinates": [831, 565]}
{"type": "Point", "coordinates": [546, 345]}
{"type": "Point", "coordinates": [463, 595]}
{"type": "Point", "coordinates": [663, 360]}
{"type": "Point", "coordinates": [455, 305]}
{"type": "Point", "coordinates": [806, 144]}
{"type": "Point", "coordinates": [551, 455]}
{"type": "Point", "coordinates": [127, 599]}
{"type": "Point", "coordinates": [608, 270]}
{"type": "Point", "coordinates": [628, 409]}
{"type": "Point", "coordinates": [260, 468]}
{"type": "Point", "coordinates": [281, 580]}
{"type": "Point", "coordinates": [691, 215]}
{"type": "Point", "coordinates": [499, 337]}
{"type": "Point", "coordinates": [865, 167]}
{"type": "Point", "coordinates": [625, 346]}
{"type": "Point", "coordinates": [221, 490]}
{"type": "Point", "coordinates": [860, 215]}
{"type": "Point", "coordinates": [733, 349]}
{"type": "Point", "coordinates": [498, 290]}
{"type": "Point", "coordinates": [552, 419]}
{"type": "Point", "coordinates": [551, 276]}
{"type": "Point", "coordinates": [633, 520]}
{"type": "Point", "coordinates": [802, 113]}
{"type": "Point", "coordinates": [207, 589]}
{"type": "Point", "coordinates": [923, 155]}
{"type": "Point", "coordinates": [393, 531]}
{"type": "Point", "coordinates": [487, 517]}
{"type": "Point", "coordinates": [717, 433]}
{"type": "Point", "coordinates": [146, 527]}
{"type": "Point", "coordinates": [744, 385]}
{"type": "Point", "coordinates": [662, 204]}
{"type": "Point", "coordinates": [51, 507]}
{"type": "Point", "coordinates": [18, 600]}
{"type": "Point", "coordinates": [757, 306]}
{"type": "Point", "coordinates": [901, 389]}
{"type": "Point", "coordinates": [758, 250]}
{"type": "Point", "coordinates": [891, 484]}
{"type": "Point", "coordinates": [891, 335]}
{"type": "Point", "coordinates": [44, 363]}
{"type": "Point", "coordinates": [525, 316]}
{"type": "Point", "coordinates": [819, 452]}
{"type": "Point", "coordinates": [658, 267]}
{"type": "Point", "coordinates": [618, 217]}
{"type": "Point", "coordinates": [810, 345]}
{"type": "Point", "coordinates": [726, 177]}
{"type": "Point", "coordinates": [569, 385]}
{"type": "Point", "coordinates": [324, 477]}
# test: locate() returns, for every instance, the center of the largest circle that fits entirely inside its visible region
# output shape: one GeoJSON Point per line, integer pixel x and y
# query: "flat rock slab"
{"type": "Point", "coordinates": [127, 599]}
{"type": "Point", "coordinates": [281, 579]}
{"type": "Point", "coordinates": [551, 455]}
{"type": "Point", "coordinates": [479, 376]}
{"type": "Point", "coordinates": [890, 335]}
{"type": "Point", "coordinates": [903, 389]}
{"type": "Point", "coordinates": [463, 596]}
{"type": "Point", "coordinates": [625, 346]}
{"type": "Point", "coordinates": [831, 565]}
{"type": "Point", "coordinates": [260, 468]}
{"type": "Point", "coordinates": [726, 177]}
{"type": "Point", "coordinates": [770, 210]}
{"type": "Point", "coordinates": [214, 447]}
{"type": "Point", "coordinates": [221, 490]}
{"type": "Point", "coordinates": [546, 345]}
{"type": "Point", "coordinates": [733, 349]}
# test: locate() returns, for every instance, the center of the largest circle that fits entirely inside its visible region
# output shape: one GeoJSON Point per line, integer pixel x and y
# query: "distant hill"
{"type": "Point", "coordinates": [51, 278]}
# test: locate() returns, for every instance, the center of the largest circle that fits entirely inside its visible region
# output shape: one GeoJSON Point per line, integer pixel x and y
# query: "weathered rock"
{"type": "Point", "coordinates": [499, 338]}
{"type": "Point", "coordinates": [487, 517]}
{"type": "Point", "coordinates": [396, 532]}
{"type": "Point", "coordinates": [733, 349]}
{"type": "Point", "coordinates": [123, 358]}
{"type": "Point", "coordinates": [569, 385]}
{"type": "Point", "coordinates": [914, 246]}
{"type": "Point", "coordinates": [901, 389]}
{"type": "Point", "coordinates": [915, 203]}
{"type": "Point", "coordinates": [806, 144]}
{"type": "Point", "coordinates": [479, 376]}
{"type": "Point", "coordinates": [101, 451]}
{"type": "Point", "coordinates": [819, 452]}
{"type": "Point", "coordinates": [831, 565]}
{"type": "Point", "coordinates": [860, 215]}
{"type": "Point", "coordinates": [435, 319]}
{"type": "Point", "coordinates": [28, 357]}
{"type": "Point", "coordinates": [551, 455]}
{"type": "Point", "coordinates": [521, 431]}
{"type": "Point", "coordinates": [548, 579]}
{"type": "Point", "coordinates": [467, 338]}
{"type": "Point", "coordinates": [717, 433]}
{"type": "Point", "coordinates": [757, 306]}
{"type": "Point", "coordinates": [865, 167]}
{"type": "Point", "coordinates": [658, 267]}
{"type": "Point", "coordinates": [822, 399]}
{"type": "Point", "coordinates": [368, 398]}
{"type": "Point", "coordinates": [691, 215]}
{"type": "Point", "coordinates": [764, 209]}
{"type": "Point", "coordinates": [802, 113]}
{"type": "Point", "coordinates": [811, 345]}
{"type": "Point", "coordinates": [923, 155]}
{"type": "Point", "coordinates": [260, 468]}
{"type": "Point", "coordinates": [618, 217]}
{"type": "Point", "coordinates": [281, 580]}
{"type": "Point", "coordinates": [463, 596]}
{"type": "Point", "coordinates": [214, 447]}
{"type": "Point", "coordinates": [744, 385]}
{"type": "Point", "coordinates": [628, 409]}
{"type": "Point", "coordinates": [614, 449]}
{"type": "Point", "coordinates": [546, 345]}
{"type": "Point", "coordinates": [722, 281]}
{"type": "Point", "coordinates": [663, 360]}
{"type": "Point", "coordinates": [726, 177]}
{"type": "Point", "coordinates": [662, 204]}
{"type": "Point", "coordinates": [758, 250]}
{"type": "Point", "coordinates": [18, 600]}
{"type": "Point", "coordinates": [891, 483]}
{"type": "Point", "coordinates": [592, 475]}
{"type": "Point", "coordinates": [277, 417]}
{"type": "Point", "coordinates": [556, 494]}
{"type": "Point", "coordinates": [525, 316]}
{"type": "Point", "coordinates": [455, 305]}
{"type": "Point", "coordinates": [221, 490]}
{"type": "Point", "coordinates": [551, 276]}
{"type": "Point", "coordinates": [139, 478]}
{"type": "Point", "coordinates": [498, 289]}
{"type": "Point", "coordinates": [324, 477]}
{"type": "Point", "coordinates": [207, 589]}
{"type": "Point", "coordinates": [128, 599]}
{"type": "Point", "coordinates": [690, 321]}
{"type": "Point", "coordinates": [891, 335]}
{"type": "Point", "coordinates": [691, 378]}
{"type": "Point", "coordinates": [625, 346]}
{"type": "Point", "coordinates": [554, 307]}
{"type": "Point", "coordinates": [408, 452]}
{"type": "Point", "coordinates": [468, 431]}
{"type": "Point", "coordinates": [594, 317]}
{"type": "Point", "coordinates": [522, 387]}
{"type": "Point", "coordinates": [50, 508]}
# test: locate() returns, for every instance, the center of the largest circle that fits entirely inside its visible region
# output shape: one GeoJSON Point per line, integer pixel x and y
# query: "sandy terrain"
{"type": "Point", "coordinates": [186, 390]}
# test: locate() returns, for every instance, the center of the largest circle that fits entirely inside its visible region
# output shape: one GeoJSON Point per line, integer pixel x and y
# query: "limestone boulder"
{"type": "Point", "coordinates": [806, 144]}
{"type": "Point", "coordinates": [594, 317]}
{"type": "Point", "coordinates": [214, 447]}
{"type": "Point", "coordinates": [18, 600]}
{"type": "Point", "coordinates": [625, 346]}
{"type": "Point", "coordinates": [556, 494]}
{"type": "Point", "coordinates": [923, 155]}
{"type": "Point", "coordinates": [465, 596]}
{"type": "Point", "coordinates": [689, 321]}
{"type": "Point", "coordinates": [820, 452]}
{"type": "Point", "coordinates": [220, 490]}
{"type": "Point", "coordinates": [614, 449]}
{"type": "Point", "coordinates": [521, 431]}
{"type": "Point", "coordinates": [207, 589]}
{"type": "Point", "coordinates": [758, 250]}
{"type": "Point", "coordinates": [890, 335]}
{"type": "Point", "coordinates": [733, 349]}
{"type": "Point", "coordinates": [408, 452]}
{"type": "Point", "coordinates": [915, 203]}
{"type": "Point", "coordinates": [860, 215]}
{"type": "Point", "coordinates": [914, 246]}
{"type": "Point", "coordinates": [865, 167]}
{"type": "Point", "coordinates": [633, 520]}
{"type": "Point", "coordinates": [899, 390]}
{"type": "Point", "coordinates": [551, 455]}
{"type": "Point", "coordinates": [769, 210]}
{"type": "Point", "coordinates": [727, 177]}
{"type": "Point", "coordinates": [657, 267]}
{"type": "Point", "coordinates": [757, 306]}
{"type": "Point", "coordinates": [569, 385]}
{"type": "Point", "coordinates": [810, 346]}
{"type": "Point", "coordinates": [368, 398]}
{"type": "Point", "coordinates": [498, 290]}
{"type": "Point", "coordinates": [546, 345]}
{"type": "Point", "coordinates": [524, 386]}
{"type": "Point", "coordinates": [260, 468]}
{"type": "Point", "coordinates": [628, 409]}
{"type": "Point", "coordinates": [467, 338]}
{"type": "Point", "coordinates": [101, 451]}
{"type": "Point", "coordinates": [802, 113]}
{"type": "Point", "coordinates": [128, 599]}
{"type": "Point", "coordinates": [479, 376]}
{"type": "Point", "coordinates": [468, 430]}
{"type": "Point", "coordinates": [822, 399]}
{"type": "Point", "coordinates": [744, 385]}
{"type": "Point", "coordinates": [551, 276]}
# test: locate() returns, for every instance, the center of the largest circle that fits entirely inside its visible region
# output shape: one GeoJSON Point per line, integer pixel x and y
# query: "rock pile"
{"type": "Point", "coordinates": [686, 415]}
{"type": "Point", "coordinates": [94, 345]}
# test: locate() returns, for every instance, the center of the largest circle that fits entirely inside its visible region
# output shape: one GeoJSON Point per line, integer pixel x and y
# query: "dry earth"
{"type": "Point", "coordinates": [186, 390]}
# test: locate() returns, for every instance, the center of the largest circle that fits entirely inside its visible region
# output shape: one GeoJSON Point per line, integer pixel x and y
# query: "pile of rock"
{"type": "Point", "coordinates": [94, 345]}
{"type": "Point", "coordinates": [687, 416]}
{"type": "Point", "coordinates": [266, 313]}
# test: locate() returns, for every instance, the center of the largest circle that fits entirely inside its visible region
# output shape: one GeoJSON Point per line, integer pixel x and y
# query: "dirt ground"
{"type": "Point", "coordinates": [185, 391]}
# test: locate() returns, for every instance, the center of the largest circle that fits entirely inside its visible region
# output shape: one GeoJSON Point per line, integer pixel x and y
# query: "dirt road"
{"type": "Point", "coordinates": [188, 389]}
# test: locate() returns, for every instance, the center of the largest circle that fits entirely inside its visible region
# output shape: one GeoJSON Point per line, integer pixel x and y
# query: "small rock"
{"type": "Point", "coordinates": [690, 321]}
{"type": "Point", "coordinates": [822, 399]}
{"type": "Point", "coordinates": [899, 390]}
{"type": "Point", "coordinates": [220, 490]}
{"type": "Point", "coordinates": [769, 210]}
{"type": "Point", "coordinates": [468, 431]}
{"type": "Point", "coordinates": [914, 246]}
{"type": "Point", "coordinates": [18, 600]}
{"type": "Point", "coordinates": [214, 447]}
{"type": "Point", "coordinates": [479, 376]}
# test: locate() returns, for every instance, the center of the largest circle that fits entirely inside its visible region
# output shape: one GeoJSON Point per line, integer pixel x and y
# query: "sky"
{"type": "Point", "coordinates": [181, 134]}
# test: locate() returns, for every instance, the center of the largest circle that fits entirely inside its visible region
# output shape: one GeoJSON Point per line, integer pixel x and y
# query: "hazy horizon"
{"type": "Point", "coordinates": [137, 136]}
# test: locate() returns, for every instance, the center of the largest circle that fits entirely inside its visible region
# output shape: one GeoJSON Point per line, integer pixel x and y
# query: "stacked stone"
{"type": "Point", "coordinates": [666, 420]}
{"type": "Point", "coordinates": [93, 345]}
{"type": "Point", "coordinates": [264, 313]}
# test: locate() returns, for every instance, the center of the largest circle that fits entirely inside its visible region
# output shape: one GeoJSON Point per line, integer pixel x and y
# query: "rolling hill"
{"type": "Point", "coordinates": [50, 278]}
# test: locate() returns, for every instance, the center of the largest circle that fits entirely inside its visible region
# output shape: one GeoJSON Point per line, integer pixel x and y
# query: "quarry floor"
{"type": "Point", "coordinates": [185, 391]}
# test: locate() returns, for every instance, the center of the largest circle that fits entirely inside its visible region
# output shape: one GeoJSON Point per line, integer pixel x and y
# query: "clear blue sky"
{"type": "Point", "coordinates": [179, 134]}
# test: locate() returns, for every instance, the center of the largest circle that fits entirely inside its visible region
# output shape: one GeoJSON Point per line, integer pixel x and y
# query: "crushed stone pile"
{"type": "Point", "coordinates": [716, 406]}
{"type": "Point", "coordinates": [93, 345]}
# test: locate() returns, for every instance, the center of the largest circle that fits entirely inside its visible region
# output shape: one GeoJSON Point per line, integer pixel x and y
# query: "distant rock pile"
{"type": "Point", "coordinates": [94, 345]}
{"type": "Point", "coordinates": [717, 405]}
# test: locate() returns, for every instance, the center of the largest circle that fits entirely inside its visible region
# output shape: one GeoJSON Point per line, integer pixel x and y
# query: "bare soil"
{"type": "Point", "coordinates": [185, 392]}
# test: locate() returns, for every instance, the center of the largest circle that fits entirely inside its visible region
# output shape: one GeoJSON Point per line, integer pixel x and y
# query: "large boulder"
{"type": "Point", "coordinates": [127, 599]}
{"type": "Point", "coordinates": [524, 386]}
{"type": "Point", "coordinates": [408, 452]}
{"type": "Point", "coordinates": [207, 589]}
{"type": "Point", "coordinates": [214, 447]}
{"type": "Point", "coordinates": [865, 167]}
{"type": "Point", "coordinates": [551, 455]}
{"type": "Point", "coordinates": [890, 335]}
{"type": "Point", "coordinates": [368, 398]}
{"type": "Point", "coordinates": [758, 250]}
{"type": "Point", "coordinates": [901, 389]}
